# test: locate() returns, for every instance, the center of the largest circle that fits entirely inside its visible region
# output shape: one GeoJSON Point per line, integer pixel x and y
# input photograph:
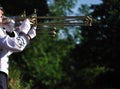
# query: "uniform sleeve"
{"type": "Point", "coordinates": [14, 44]}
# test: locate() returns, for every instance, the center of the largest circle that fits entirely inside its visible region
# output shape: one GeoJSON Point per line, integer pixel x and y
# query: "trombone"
{"type": "Point", "coordinates": [59, 20]}
{"type": "Point", "coordinates": [56, 20]}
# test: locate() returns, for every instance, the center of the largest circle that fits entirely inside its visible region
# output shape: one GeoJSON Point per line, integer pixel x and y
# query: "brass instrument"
{"type": "Point", "coordinates": [43, 21]}
{"type": "Point", "coordinates": [59, 20]}
{"type": "Point", "coordinates": [56, 20]}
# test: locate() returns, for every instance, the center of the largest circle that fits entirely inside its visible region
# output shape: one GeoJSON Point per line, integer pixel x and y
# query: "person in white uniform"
{"type": "Point", "coordinates": [12, 41]}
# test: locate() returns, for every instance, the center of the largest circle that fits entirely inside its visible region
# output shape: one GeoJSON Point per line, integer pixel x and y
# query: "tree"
{"type": "Point", "coordinates": [108, 28]}
{"type": "Point", "coordinates": [97, 57]}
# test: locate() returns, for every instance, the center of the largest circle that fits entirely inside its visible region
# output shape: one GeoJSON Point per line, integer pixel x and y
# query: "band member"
{"type": "Point", "coordinates": [12, 41]}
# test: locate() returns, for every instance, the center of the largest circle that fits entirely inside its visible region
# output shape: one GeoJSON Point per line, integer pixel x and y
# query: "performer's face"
{"type": "Point", "coordinates": [1, 13]}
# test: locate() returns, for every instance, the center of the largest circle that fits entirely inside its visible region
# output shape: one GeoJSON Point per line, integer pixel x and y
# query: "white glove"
{"type": "Point", "coordinates": [8, 24]}
{"type": "Point", "coordinates": [32, 32]}
{"type": "Point", "coordinates": [25, 27]}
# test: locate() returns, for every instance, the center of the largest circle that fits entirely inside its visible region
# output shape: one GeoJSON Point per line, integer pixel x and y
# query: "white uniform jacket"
{"type": "Point", "coordinates": [8, 45]}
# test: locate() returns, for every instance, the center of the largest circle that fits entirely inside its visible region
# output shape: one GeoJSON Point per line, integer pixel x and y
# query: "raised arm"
{"type": "Point", "coordinates": [16, 44]}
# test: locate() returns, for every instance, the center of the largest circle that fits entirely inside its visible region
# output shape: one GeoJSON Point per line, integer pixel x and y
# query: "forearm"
{"type": "Point", "coordinates": [15, 44]}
